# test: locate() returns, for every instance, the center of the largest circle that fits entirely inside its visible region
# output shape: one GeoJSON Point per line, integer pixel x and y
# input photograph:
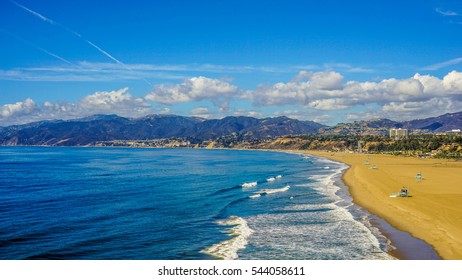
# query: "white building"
{"type": "Point", "coordinates": [454, 132]}
{"type": "Point", "coordinates": [399, 133]}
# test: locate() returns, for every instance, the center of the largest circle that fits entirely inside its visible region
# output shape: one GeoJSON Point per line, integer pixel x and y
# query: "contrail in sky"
{"type": "Point", "coordinates": [45, 19]}
{"type": "Point", "coordinates": [32, 12]}
{"type": "Point", "coordinates": [39, 48]}
{"type": "Point", "coordinates": [50, 21]}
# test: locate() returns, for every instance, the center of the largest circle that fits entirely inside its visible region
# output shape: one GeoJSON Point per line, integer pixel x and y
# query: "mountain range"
{"type": "Point", "coordinates": [440, 124]}
{"type": "Point", "coordinates": [86, 131]}
{"type": "Point", "coordinates": [95, 128]}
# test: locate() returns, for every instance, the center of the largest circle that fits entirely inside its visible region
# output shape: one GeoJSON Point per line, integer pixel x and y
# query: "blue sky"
{"type": "Point", "coordinates": [328, 61]}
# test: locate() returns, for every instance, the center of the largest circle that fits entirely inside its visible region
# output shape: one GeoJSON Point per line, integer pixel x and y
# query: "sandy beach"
{"type": "Point", "coordinates": [432, 212]}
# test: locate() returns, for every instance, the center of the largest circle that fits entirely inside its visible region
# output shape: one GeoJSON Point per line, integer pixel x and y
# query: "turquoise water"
{"type": "Point", "coordinates": [108, 203]}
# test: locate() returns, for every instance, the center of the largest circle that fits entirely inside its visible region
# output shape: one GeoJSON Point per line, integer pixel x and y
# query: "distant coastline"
{"type": "Point", "coordinates": [438, 137]}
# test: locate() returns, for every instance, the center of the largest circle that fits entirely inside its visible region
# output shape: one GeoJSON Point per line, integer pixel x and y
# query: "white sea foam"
{"type": "Point", "coordinates": [309, 207]}
{"type": "Point", "coordinates": [271, 191]}
{"type": "Point", "coordinates": [326, 183]}
{"type": "Point", "coordinates": [255, 196]}
{"type": "Point", "coordinates": [330, 234]}
{"type": "Point", "coordinates": [325, 229]}
{"type": "Point", "coordinates": [279, 177]}
{"type": "Point", "coordinates": [270, 179]}
{"type": "Point", "coordinates": [249, 185]}
{"type": "Point", "coordinates": [239, 233]}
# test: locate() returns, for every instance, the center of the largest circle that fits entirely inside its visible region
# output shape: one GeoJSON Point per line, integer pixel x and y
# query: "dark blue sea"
{"type": "Point", "coordinates": [111, 203]}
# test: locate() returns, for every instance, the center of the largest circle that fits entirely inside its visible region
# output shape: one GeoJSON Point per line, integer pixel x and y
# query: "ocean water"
{"type": "Point", "coordinates": [111, 203]}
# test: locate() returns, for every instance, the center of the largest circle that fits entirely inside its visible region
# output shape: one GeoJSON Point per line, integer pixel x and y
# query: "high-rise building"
{"type": "Point", "coordinates": [399, 133]}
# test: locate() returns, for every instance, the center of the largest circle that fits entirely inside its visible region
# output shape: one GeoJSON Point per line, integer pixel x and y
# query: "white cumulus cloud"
{"type": "Point", "coordinates": [309, 94]}
{"type": "Point", "coordinates": [114, 101]}
{"type": "Point", "coordinates": [452, 82]}
{"type": "Point", "coordinates": [193, 89]}
{"type": "Point", "coordinates": [119, 102]}
{"type": "Point", "coordinates": [417, 110]}
{"type": "Point", "coordinates": [327, 80]}
{"type": "Point", "coordinates": [18, 109]}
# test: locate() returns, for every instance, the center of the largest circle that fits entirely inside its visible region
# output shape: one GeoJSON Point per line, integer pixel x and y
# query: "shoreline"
{"type": "Point", "coordinates": [432, 213]}
{"type": "Point", "coordinates": [399, 244]}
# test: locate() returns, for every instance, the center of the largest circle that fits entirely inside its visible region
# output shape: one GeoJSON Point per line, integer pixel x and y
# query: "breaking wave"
{"type": "Point", "coordinates": [249, 185]}
{"type": "Point", "coordinates": [322, 227]}
{"type": "Point", "coordinates": [228, 249]}
{"type": "Point", "coordinates": [271, 191]}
